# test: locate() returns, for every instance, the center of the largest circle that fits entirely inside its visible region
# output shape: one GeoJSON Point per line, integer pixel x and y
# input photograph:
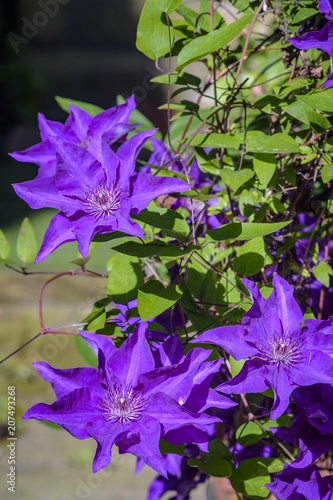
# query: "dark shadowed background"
{"type": "Point", "coordinates": [84, 50]}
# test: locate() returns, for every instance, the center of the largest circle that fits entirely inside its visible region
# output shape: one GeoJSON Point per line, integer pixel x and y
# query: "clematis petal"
{"type": "Point", "coordinates": [322, 39]}
{"type": "Point", "coordinates": [129, 151]}
{"type": "Point", "coordinates": [249, 379]}
{"type": "Point", "coordinates": [110, 163]}
{"type": "Point", "coordinates": [127, 225]}
{"type": "Point", "coordinates": [60, 231]}
{"type": "Point", "coordinates": [283, 386]}
{"type": "Point", "coordinates": [260, 319]}
{"type": "Point", "coordinates": [326, 7]}
{"type": "Point", "coordinates": [147, 187]}
{"type": "Point", "coordinates": [310, 371]}
{"type": "Point", "coordinates": [230, 338]}
{"type": "Point", "coordinates": [133, 358]}
{"type": "Point", "coordinates": [48, 127]}
{"type": "Point", "coordinates": [77, 169]}
{"type": "Point", "coordinates": [110, 123]}
{"type": "Point", "coordinates": [189, 434]}
{"type": "Point", "coordinates": [176, 381]}
{"type": "Point", "coordinates": [170, 352]}
{"type": "Point", "coordinates": [283, 303]}
{"type": "Point", "coordinates": [79, 121]}
{"type": "Point", "coordinates": [301, 484]}
{"type": "Point", "coordinates": [41, 193]}
{"type": "Point", "coordinates": [172, 415]}
{"type": "Point", "coordinates": [147, 447]}
{"type": "Point", "coordinates": [64, 381]}
{"type": "Point", "coordinates": [105, 435]}
{"type": "Point", "coordinates": [101, 346]}
{"type": "Point", "coordinates": [42, 154]}
{"type": "Point", "coordinates": [72, 411]}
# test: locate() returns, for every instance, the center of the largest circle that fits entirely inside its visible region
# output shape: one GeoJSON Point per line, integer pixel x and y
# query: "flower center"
{"type": "Point", "coordinates": [124, 405]}
{"type": "Point", "coordinates": [102, 201]}
{"type": "Point", "coordinates": [282, 348]}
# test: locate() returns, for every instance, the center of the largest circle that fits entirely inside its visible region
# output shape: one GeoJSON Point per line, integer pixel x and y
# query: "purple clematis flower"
{"type": "Point", "coordinates": [284, 355]}
{"type": "Point", "coordinates": [126, 401]}
{"type": "Point", "coordinates": [322, 39]}
{"type": "Point", "coordinates": [81, 129]}
{"type": "Point", "coordinates": [94, 196]}
{"type": "Point", "coordinates": [301, 484]}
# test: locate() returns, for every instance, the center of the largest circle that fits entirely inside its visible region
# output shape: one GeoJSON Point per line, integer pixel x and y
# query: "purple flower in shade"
{"type": "Point", "coordinates": [312, 429]}
{"type": "Point", "coordinates": [301, 484]}
{"type": "Point", "coordinates": [182, 479]}
{"type": "Point", "coordinates": [309, 293]}
{"type": "Point", "coordinates": [81, 129]}
{"type": "Point", "coordinates": [326, 7]}
{"type": "Point", "coordinates": [200, 398]}
{"type": "Point", "coordinates": [94, 196]}
{"type": "Point", "coordinates": [126, 401]}
{"type": "Point", "coordinates": [162, 156]}
{"type": "Point", "coordinates": [322, 39]}
{"type": "Point", "coordinates": [284, 355]}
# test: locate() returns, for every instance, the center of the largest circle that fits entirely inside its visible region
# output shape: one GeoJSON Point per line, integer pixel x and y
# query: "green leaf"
{"type": "Point", "coordinates": [85, 351]}
{"type": "Point", "coordinates": [215, 141]}
{"type": "Point", "coordinates": [216, 461]}
{"type": "Point", "coordinates": [291, 86]}
{"type": "Point", "coordinates": [308, 315]}
{"type": "Point", "coordinates": [236, 178]}
{"type": "Point", "coordinates": [124, 278]}
{"type": "Point", "coordinates": [178, 79]}
{"type": "Point", "coordinates": [153, 298]}
{"type": "Point", "coordinates": [96, 319]}
{"type": "Point", "coordinates": [166, 447]}
{"type": "Point", "coordinates": [252, 474]}
{"type": "Point", "coordinates": [235, 366]}
{"type": "Point", "coordinates": [305, 114]}
{"type": "Point", "coordinates": [250, 257]}
{"type": "Point", "coordinates": [321, 101]}
{"type": "Point", "coordinates": [80, 261]}
{"type": "Point", "coordinates": [171, 5]}
{"type": "Point", "coordinates": [322, 273]}
{"type": "Point", "coordinates": [153, 34]}
{"type": "Point", "coordinates": [327, 173]}
{"type": "Point", "coordinates": [140, 249]}
{"type": "Point", "coordinates": [214, 466]}
{"type": "Point", "coordinates": [89, 108]}
{"type": "Point", "coordinates": [26, 246]}
{"type": "Point", "coordinates": [258, 142]}
{"type": "Point", "coordinates": [188, 14]}
{"type": "Point", "coordinates": [199, 320]}
{"type": "Point", "coordinates": [264, 165]}
{"type": "Point", "coordinates": [206, 44]}
{"type": "Point", "coordinates": [163, 218]}
{"type": "Point", "coordinates": [202, 286]}
{"type": "Point", "coordinates": [218, 448]}
{"type": "Point", "coordinates": [173, 252]}
{"type": "Point", "coordinates": [304, 14]}
{"type": "Point", "coordinates": [249, 433]}
{"type": "Point", "coordinates": [4, 247]}
{"type": "Point", "coordinates": [240, 231]}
